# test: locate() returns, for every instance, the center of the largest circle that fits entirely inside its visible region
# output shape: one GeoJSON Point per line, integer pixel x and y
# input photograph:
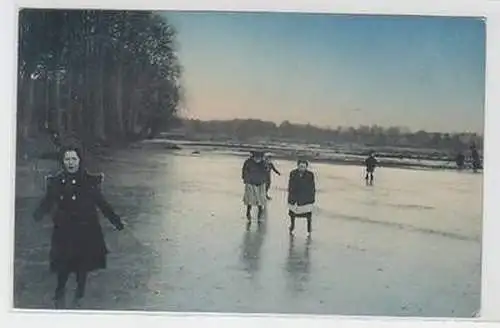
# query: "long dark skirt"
{"type": "Point", "coordinates": [77, 247]}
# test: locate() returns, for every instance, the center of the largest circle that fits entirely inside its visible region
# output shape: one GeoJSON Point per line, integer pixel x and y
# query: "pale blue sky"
{"type": "Point", "coordinates": [332, 70]}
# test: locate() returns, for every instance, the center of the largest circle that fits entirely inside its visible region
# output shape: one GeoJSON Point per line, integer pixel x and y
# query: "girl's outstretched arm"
{"type": "Point", "coordinates": [103, 205]}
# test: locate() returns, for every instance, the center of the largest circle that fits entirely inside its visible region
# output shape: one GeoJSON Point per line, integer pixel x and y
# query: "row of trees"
{"type": "Point", "coordinates": [101, 75]}
{"type": "Point", "coordinates": [368, 135]}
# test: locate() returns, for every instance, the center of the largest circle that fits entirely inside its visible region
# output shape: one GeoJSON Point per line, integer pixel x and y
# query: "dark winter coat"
{"type": "Point", "coordinates": [371, 162]}
{"type": "Point", "coordinates": [254, 173]}
{"type": "Point", "coordinates": [301, 188]}
{"type": "Point", "coordinates": [476, 159]}
{"type": "Point", "coordinates": [460, 160]}
{"type": "Point", "coordinates": [77, 242]}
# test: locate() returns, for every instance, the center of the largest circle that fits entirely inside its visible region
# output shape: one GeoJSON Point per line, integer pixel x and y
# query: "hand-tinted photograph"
{"type": "Point", "coordinates": [256, 163]}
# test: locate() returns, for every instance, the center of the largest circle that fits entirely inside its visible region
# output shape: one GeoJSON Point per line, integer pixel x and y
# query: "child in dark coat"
{"type": "Point", "coordinates": [77, 244]}
{"type": "Point", "coordinates": [301, 195]}
{"type": "Point", "coordinates": [254, 176]}
{"type": "Point", "coordinates": [370, 164]}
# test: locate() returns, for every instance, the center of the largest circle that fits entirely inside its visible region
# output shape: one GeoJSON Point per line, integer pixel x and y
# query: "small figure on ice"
{"type": "Point", "coordinates": [77, 244]}
{"type": "Point", "coordinates": [254, 175]}
{"type": "Point", "coordinates": [301, 195]}
{"type": "Point", "coordinates": [269, 167]}
{"type": "Point", "coordinates": [460, 161]}
{"type": "Point", "coordinates": [476, 159]}
{"type": "Point", "coordinates": [370, 163]}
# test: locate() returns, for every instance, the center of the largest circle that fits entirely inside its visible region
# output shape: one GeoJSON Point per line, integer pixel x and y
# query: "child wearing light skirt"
{"type": "Point", "coordinates": [254, 176]}
{"type": "Point", "coordinates": [301, 195]}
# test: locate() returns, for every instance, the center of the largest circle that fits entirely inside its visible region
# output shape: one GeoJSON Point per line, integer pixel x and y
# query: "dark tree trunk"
{"type": "Point", "coordinates": [119, 99]}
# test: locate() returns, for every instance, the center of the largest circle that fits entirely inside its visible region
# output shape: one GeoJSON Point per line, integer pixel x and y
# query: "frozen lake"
{"type": "Point", "coordinates": [410, 245]}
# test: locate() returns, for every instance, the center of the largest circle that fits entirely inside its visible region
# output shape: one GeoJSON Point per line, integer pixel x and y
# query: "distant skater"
{"type": "Point", "coordinates": [460, 161]}
{"type": "Point", "coordinates": [269, 167]}
{"type": "Point", "coordinates": [254, 175]}
{"type": "Point", "coordinates": [301, 195]}
{"type": "Point", "coordinates": [77, 244]}
{"type": "Point", "coordinates": [476, 159]}
{"type": "Point", "coordinates": [370, 163]}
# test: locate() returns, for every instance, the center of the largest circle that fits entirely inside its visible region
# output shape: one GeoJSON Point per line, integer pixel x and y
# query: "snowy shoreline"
{"type": "Point", "coordinates": [292, 151]}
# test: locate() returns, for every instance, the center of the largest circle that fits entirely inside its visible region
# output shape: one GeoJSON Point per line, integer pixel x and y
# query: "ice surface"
{"type": "Point", "coordinates": [409, 245]}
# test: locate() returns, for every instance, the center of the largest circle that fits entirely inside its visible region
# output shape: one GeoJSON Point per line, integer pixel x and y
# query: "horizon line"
{"type": "Point", "coordinates": [403, 129]}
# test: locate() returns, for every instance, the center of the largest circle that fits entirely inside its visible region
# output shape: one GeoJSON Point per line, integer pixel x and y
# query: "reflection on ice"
{"type": "Point", "coordinates": [409, 245]}
{"type": "Point", "coordinates": [252, 246]}
{"type": "Point", "coordinates": [298, 264]}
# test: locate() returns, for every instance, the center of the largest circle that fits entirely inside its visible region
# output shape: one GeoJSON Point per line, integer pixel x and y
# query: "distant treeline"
{"type": "Point", "coordinates": [376, 136]}
{"type": "Point", "coordinates": [104, 76]}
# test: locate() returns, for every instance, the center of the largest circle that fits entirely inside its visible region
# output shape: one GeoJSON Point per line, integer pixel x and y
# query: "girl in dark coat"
{"type": "Point", "coordinates": [77, 244]}
{"type": "Point", "coordinates": [460, 161]}
{"type": "Point", "coordinates": [301, 195]}
{"type": "Point", "coordinates": [370, 163]}
{"type": "Point", "coordinates": [476, 159]}
{"type": "Point", "coordinates": [254, 176]}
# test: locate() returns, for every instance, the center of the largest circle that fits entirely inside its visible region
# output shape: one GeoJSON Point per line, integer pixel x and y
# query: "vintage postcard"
{"type": "Point", "coordinates": [249, 162]}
